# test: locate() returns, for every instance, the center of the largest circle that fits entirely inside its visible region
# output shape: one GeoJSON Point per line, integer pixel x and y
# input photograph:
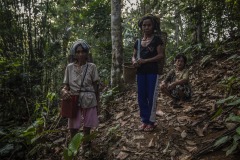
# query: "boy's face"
{"type": "Point", "coordinates": [180, 63]}
{"type": "Point", "coordinates": [81, 55]}
{"type": "Point", "coordinates": [147, 26]}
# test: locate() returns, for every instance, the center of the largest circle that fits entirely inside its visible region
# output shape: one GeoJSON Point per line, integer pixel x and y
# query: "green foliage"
{"type": "Point", "coordinates": [226, 100]}
{"type": "Point", "coordinates": [108, 96]}
{"type": "Point", "coordinates": [221, 141]}
{"type": "Point", "coordinates": [233, 118]}
{"type": "Point", "coordinates": [33, 137]}
{"type": "Point", "coordinates": [73, 147]}
{"type": "Point", "coordinates": [34, 47]}
{"type": "Point", "coordinates": [230, 83]}
{"type": "Point", "coordinates": [226, 139]}
{"type": "Point", "coordinates": [229, 101]}
{"type": "Point", "coordinates": [114, 134]}
{"type": "Point", "coordinates": [218, 113]}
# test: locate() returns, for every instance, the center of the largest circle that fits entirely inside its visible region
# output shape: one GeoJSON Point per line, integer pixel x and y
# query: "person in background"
{"type": "Point", "coordinates": [81, 80]}
{"type": "Point", "coordinates": [176, 84]}
{"type": "Point", "coordinates": [151, 51]}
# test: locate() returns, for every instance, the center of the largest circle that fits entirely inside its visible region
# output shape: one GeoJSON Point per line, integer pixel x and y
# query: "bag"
{"type": "Point", "coordinates": [87, 99]}
{"type": "Point", "coordinates": [69, 107]}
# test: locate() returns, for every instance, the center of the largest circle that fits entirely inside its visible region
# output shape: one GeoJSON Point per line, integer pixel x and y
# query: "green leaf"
{"type": "Point", "coordinates": [233, 118]}
{"type": "Point", "coordinates": [224, 100]}
{"type": "Point", "coordinates": [219, 112]}
{"type": "Point", "coordinates": [35, 138]}
{"type": "Point", "coordinates": [238, 130]}
{"type": "Point", "coordinates": [235, 56]}
{"type": "Point", "coordinates": [234, 103]}
{"type": "Point", "coordinates": [236, 137]}
{"type": "Point", "coordinates": [66, 155]}
{"type": "Point", "coordinates": [233, 148]}
{"type": "Point", "coordinates": [6, 149]}
{"type": "Point", "coordinates": [221, 141]}
{"type": "Point", "coordinates": [75, 143]}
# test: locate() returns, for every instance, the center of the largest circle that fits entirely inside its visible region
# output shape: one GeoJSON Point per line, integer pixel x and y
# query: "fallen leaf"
{"type": "Point", "coordinates": [123, 123]}
{"type": "Point", "coordinates": [138, 146]}
{"type": "Point", "coordinates": [205, 127]}
{"type": "Point", "coordinates": [160, 113]}
{"type": "Point", "coordinates": [170, 117]}
{"type": "Point", "coordinates": [119, 115]}
{"type": "Point", "coordinates": [183, 151]}
{"type": "Point", "coordinates": [173, 153]}
{"type": "Point", "coordinates": [187, 109]}
{"type": "Point", "coordinates": [122, 155]}
{"type": "Point", "coordinates": [151, 143]}
{"type": "Point", "coordinates": [183, 119]}
{"type": "Point", "coordinates": [185, 157]}
{"type": "Point", "coordinates": [199, 131]}
{"type": "Point", "coordinates": [184, 134]}
{"type": "Point", "coordinates": [170, 123]}
{"type": "Point", "coordinates": [191, 148]}
{"type": "Point", "coordinates": [178, 129]}
{"type": "Point", "coordinates": [230, 126]}
{"type": "Point", "coordinates": [190, 143]}
{"type": "Point", "coordinates": [60, 140]}
{"type": "Point", "coordinates": [138, 137]}
{"type": "Point", "coordinates": [165, 150]}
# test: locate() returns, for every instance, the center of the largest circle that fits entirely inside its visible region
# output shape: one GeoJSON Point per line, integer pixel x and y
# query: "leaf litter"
{"type": "Point", "coordinates": [180, 133]}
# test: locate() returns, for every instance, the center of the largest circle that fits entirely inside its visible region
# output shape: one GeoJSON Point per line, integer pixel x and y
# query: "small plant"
{"type": "Point", "coordinates": [73, 147]}
{"type": "Point", "coordinates": [108, 96]}
{"type": "Point", "coordinates": [229, 101]}
{"type": "Point", "coordinates": [230, 83]}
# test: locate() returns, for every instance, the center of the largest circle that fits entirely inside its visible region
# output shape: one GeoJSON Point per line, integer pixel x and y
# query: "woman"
{"type": "Point", "coordinates": [81, 80]}
{"type": "Point", "coordinates": [151, 51]}
{"type": "Point", "coordinates": [176, 85]}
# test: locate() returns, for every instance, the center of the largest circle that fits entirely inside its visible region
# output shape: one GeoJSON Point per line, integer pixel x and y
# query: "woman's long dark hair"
{"type": "Point", "coordinates": [155, 20]}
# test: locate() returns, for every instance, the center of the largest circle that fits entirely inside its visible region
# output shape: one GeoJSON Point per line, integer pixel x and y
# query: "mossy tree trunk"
{"type": "Point", "coordinates": [117, 45]}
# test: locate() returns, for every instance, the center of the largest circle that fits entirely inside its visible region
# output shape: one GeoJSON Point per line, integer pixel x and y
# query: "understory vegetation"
{"type": "Point", "coordinates": [35, 37]}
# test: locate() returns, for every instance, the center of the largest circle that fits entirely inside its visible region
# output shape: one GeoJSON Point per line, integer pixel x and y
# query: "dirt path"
{"type": "Point", "coordinates": [180, 133]}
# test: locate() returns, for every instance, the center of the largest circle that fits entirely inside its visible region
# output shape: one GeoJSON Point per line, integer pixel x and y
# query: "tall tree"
{"type": "Point", "coordinates": [117, 46]}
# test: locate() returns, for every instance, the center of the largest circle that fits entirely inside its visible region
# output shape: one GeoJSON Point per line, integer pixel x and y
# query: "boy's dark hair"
{"type": "Point", "coordinates": [155, 20]}
{"type": "Point", "coordinates": [178, 56]}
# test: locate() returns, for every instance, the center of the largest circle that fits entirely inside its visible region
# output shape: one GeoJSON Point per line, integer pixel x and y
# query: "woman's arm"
{"type": "Point", "coordinates": [65, 92]}
{"type": "Point", "coordinates": [182, 81]}
{"type": "Point", "coordinates": [159, 56]}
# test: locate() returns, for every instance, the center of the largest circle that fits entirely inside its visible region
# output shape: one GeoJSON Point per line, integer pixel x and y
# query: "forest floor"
{"type": "Point", "coordinates": [184, 133]}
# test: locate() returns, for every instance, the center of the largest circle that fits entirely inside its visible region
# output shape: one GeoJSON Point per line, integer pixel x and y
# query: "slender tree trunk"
{"type": "Point", "coordinates": [199, 6]}
{"type": "Point", "coordinates": [117, 46]}
{"type": "Point", "coordinates": [177, 17]}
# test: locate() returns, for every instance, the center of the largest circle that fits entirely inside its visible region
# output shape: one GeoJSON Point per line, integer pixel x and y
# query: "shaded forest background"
{"type": "Point", "coordinates": [35, 37]}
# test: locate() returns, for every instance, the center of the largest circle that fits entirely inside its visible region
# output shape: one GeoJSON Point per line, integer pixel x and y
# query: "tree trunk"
{"type": "Point", "coordinates": [117, 45]}
{"type": "Point", "coordinates": [199, 24]}
{"type": "Point", "coordinates": [177, 18]}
